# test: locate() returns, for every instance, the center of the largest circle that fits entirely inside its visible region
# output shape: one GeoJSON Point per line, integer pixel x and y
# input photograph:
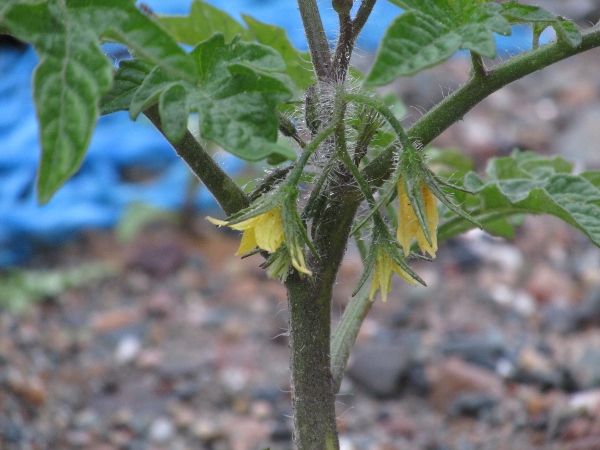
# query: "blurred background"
{"type": "Point", "coordinates": [120, 326]}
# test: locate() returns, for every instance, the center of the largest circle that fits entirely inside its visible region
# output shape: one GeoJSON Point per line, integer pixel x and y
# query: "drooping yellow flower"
{"type": "Point", "coordinates": [382, 274]}
{"type": "Point", "coordinates": [264, 231]}
{"type": "Point", "coordinates": [408, 224]}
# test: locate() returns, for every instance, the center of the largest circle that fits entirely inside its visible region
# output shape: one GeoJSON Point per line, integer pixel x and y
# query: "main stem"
{"type": "Point", "coordinates": [309, 302]}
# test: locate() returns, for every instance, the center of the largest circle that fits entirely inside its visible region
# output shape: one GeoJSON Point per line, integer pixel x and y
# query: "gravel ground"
{"type": "Point", "coordinates": [175, 344]}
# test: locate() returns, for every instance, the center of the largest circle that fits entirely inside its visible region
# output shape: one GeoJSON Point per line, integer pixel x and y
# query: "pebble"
{"type": "Point", "coordinates": [453, 376]}
{"type": "Point", "coordinates": [31, 389]}
{"type": "Point", "coordinates": [588, 401]}
{"type": "Point", "coordinates": [149, 358]}
{"type": "Point", "coordinates": [380, 369]}
{"type": "Point", "coordinates": [588, 368]}
{"type": "Point", "coordinates": [261, 409]}
{"type": "Point", "coordinates": [161, 430]}
{"type": "Point", "coordinates": [472, 404]}
{"type": "Point", "coordinates": [127, 349]}
{"type": "Point", "coordinates": [161, 303]}
{"type": "Point", "coordinates": [483, 349]}
{"type": "Point", "coordinates": [111, 320]}
{"type": "Point", "coordinates": [207, 430]}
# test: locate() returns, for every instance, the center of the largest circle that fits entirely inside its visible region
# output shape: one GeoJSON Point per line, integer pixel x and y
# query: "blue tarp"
{"type": "Point", "coordinates": [98, 194]}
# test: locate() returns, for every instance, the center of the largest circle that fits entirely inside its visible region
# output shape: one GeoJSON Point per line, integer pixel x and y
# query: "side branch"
{"type": "Point", "coordinates": [461, 101]}
{"type": "Point", "coordinates": [343, 49]}
{"type": "Point", "coordinates": [362, 15]}
{"type": "Point", "coordinates": [228, 194]}
{"type": "Point", "coordinates": [317, 40]}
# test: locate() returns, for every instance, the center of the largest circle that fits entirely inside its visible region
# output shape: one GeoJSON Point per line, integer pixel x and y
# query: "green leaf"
{"type": "Point", "coordinates": [73, 72]}
{"type": "Point", "coordinates": [240, 85]}
{"type": "Point", "coordinates": [149, 91]}
{"type": "Point", "coordinates": [430, 31]}
{"type": "Point", "coordinates": [529, 184]}
{"type": "Point", "coordinates": [518, 13]}
{"type": "Point", "coordinates": [298, 63]}
{"type": "Point", "coordinates": [203, 21]}
{"type": "Point", "coordinates": [126, 82]}
{"type": "Point", "coordinates": [174, 112]}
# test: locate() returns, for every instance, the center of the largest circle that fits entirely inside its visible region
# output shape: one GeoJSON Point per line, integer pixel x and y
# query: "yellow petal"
{"type": "Point", "coordinates": [405, 213]}
{"type": "Point", "coordinates": [298, 261]}
{"type": "Point", "coordinates": [269, 230]}
{"type": "Point", "coordinates": [248, 243]}
{"type": "Point", "coordinates": [217, 222]}
{"type": "Point", "coordinates": [385, 274]}
{"type": "Point", "coordinates": [423, 243]}
{"type": "Point", "coordinates": [246, 224]}
{"type": "Point", "coordinates": [431, 210]}
{"type": "Point", "coordinates": [374, 281]}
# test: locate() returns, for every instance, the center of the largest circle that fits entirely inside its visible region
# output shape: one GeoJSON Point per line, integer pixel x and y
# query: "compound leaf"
{"type": "Point", "coordinates": [73, 73]}
{"type": "Point", "coordinates": [526, 183]}
{"type": "Point", "coordinates": [430, 31]}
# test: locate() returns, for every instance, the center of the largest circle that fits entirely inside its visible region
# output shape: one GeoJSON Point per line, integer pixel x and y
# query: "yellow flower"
{"type": "Point", "coordinates": [382, 274]}
{"type": "Point", "coordinates": [408, 224]}
{"type": "Point", "coordinates": [264, 231]}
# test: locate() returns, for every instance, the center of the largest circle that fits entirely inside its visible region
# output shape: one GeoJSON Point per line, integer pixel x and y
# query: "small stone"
{"type": "Point", "coordinates": [106, 321]}
{"type": "Point", "coordinates": [30, 389]}
{"type": "Point", "coordinates": [86, 419]}
{"type": "Point", "coordinates": [122, 418]}
{"type": "Point", "coordinates": [207, 430]}
{"type": "Point", "coordinates": [183, 417]}
{"type": "Point", "coordinates": [261, 409]}
{"type": "Point", "coordinates": [161, 303]}
{"type": "Point", "coordinates": [79, 438]}
{"type": "Point", "coordinates": [281, 432]}
{"type": "Point", "coordinates": [120, 438]}
{"type": "Point", "coordinates": [11, 432]}
{"type": "Point", "coordinates": [452, 377]}
{"type": "Point", "coordinates": [588, 401]}
{"type": "Point", "coordinates": [149, 358]}
{"type": "Point", "coordinates": [127, 349]}
{"type": "Point", "coordinates": [161, 430]}
{"type": "Point", "coordinates": [588, 368]}
{"type": "Point", "coordinates": [472, 404]}
{"type": "Point", "coordinates": [380, 369]}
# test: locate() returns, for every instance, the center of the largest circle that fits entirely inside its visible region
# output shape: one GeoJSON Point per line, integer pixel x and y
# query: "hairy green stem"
{"type": "Point", "coordinates": [343, 49]}
{"type": "Point", "coordinates": [309, 301]}
{"type": "Point", "coordinates": [317, 40]}
{"type": "Point", "coordinates": [227, 193]}
{"type": "Point", "coordinates": [362, 15]}
{"type": "Point", "coordinates": [478, 69]}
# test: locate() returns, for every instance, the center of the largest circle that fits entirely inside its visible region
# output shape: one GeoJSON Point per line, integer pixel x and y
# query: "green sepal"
{"type": "Point", "coordinates": [368, 264]}
{"type": "Point", "coordinates": [431, 182]}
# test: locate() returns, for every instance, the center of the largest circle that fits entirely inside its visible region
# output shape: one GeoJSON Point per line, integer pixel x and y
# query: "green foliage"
{"type": "Point", "coordinates": [517, 13]}
{"type": "Point", "coordinates": [74, 73]}
{"type": "Point", "coordinates": [203, 21]}
{"type": "Point", "coordinates": [299, 68]}
{"type": "Point", "coordinates": [20, 288]}
{"type": "Point", "coordinates": [527, 183]}
{"type": "Point", "coordinates": [240, 85]}
{"type": "Point", "coordinates": [430, 31]}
